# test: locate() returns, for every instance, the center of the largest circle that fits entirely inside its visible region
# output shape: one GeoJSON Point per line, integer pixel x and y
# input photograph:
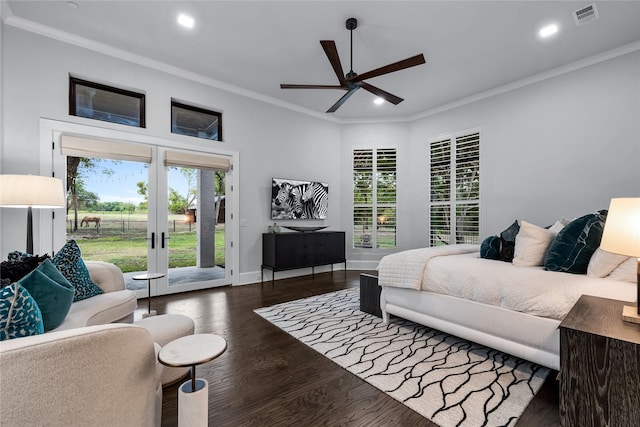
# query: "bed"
{"type": "Point", "coordinates": [511, 308]}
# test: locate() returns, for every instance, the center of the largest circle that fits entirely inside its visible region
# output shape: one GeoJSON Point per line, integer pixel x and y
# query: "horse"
{"type": "Point", "coordinates": [87, 219]}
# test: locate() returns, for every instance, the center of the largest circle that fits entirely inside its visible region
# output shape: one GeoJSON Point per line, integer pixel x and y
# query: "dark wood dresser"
{"type": "Point", "coordinates": [288, 251]}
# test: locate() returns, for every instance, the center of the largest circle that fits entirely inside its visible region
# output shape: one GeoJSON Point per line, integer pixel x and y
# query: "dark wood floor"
{"type": "Point", "coordinates": [268, 378]}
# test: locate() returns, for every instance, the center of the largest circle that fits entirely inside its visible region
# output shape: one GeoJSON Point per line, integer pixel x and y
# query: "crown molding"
{"type": "Point", "coordinates": [75, 40]}
{"type": "Point", "coordinates": [124, 55]}
{"type": "Point", "coordinates": [555, 72]}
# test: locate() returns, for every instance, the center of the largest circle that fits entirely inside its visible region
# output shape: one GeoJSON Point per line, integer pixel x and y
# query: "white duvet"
{"type": "Point", "coordinates": [530, 290]}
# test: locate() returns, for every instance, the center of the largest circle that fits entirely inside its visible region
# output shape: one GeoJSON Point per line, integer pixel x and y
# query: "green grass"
{"type": "Point", "coordinates": [122, 240]}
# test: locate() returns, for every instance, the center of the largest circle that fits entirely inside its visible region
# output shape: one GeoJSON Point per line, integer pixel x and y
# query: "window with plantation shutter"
{"type": "Point", "coordinates": [374, 198]}
{"type": "Point", "coordinates": [454, 204]}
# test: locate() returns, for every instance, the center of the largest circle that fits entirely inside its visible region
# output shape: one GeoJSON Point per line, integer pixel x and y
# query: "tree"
{"type": "Point", "coordinates": [177, 203]}
{"type": "Point", "coordinates": [143, 189]}
{"type": "Point", "coordinates": [77, 168]}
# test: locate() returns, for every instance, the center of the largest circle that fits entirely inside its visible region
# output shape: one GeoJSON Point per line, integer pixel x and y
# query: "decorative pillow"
{"type": "Point", "coordinates": [573, 247]}
{"type": "Point", "coordinates": [19, 265]}
{"type": "Point", "coordinates": [602, 263]}
{"type": "Point", "coordinates": [490, 248]}
{"type": "Point", "coordinates": [53, 296]}
{"type": "Point", "coordinates": [69, 261]}
{"type": "Point", "coordinates": [626, 271]}
{"type": "Point", "coordinates": [559, 225]}
{"type": "Point", "coordinates": [19, 313]}
{"type": "Point", "coordinates": [508, 242]}
{"type": "Point", "coordinates": [532, 243]}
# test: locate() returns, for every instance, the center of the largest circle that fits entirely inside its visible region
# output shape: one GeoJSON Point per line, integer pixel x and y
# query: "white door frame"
{"type": "Point", "coordinates": [50, 130]}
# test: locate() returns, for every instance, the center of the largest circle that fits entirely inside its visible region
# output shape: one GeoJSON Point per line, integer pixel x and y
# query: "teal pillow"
{"type": "Point", "coordinates": [572, 248]}
{"type": "Point", "coordinates": [20, 316]}
{"type": "Point", "coordinates": [53, 298]}
{"type": "Point", "coordinates": [69, 261]}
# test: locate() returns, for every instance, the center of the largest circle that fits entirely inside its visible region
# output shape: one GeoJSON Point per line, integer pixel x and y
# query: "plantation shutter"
{"type": "Point", "coordinates": [440, 210]}
{"type": "Point", "coordinates": [454, 208]}
{"type": "Point", "coordinates": [374, 198]}
{"type": "Point", "coordinates": [362, 198]}
{"type": "Point", "coordinates": [196, 160]}
{"type": "Point", "coordinates": [467, 188]}
{"type": "Point", "coordinates": [81, 146]}
{"type": "Point", "coordinates": [386, 198]}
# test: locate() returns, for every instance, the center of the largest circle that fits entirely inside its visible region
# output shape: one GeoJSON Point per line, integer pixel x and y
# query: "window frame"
{"type": "Point", "coordinates": [374, 207]}
{"type": "Point", "coordinates": [451, 200]}
{"type": "Point", "coordinates": [196, 109]}
{"type": "Point", "coordinates": [73, 107]}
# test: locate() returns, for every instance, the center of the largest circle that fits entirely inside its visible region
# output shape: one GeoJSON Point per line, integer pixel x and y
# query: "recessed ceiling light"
{"type": "Point", "coordinates": [186, 20]}
{"type": "Point", "coordinates": [72, 5]}
{"type": "Point", "coordinates": [378, 101]}
{"type": "Point", "coordinates": [548, 31]}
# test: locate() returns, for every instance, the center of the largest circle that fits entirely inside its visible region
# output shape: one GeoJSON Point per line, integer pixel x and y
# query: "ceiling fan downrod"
{"type": "Point", "coordinates": [352, 24]}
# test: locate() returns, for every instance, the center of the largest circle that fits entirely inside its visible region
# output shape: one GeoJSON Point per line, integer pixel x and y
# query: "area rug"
{"type": "Point", "coordinates": [450, 381]}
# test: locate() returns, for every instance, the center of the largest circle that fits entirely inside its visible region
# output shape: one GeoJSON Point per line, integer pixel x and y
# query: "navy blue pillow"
{"type": "Point", "coordinates": [574, 245]}
{"type": "Point", "coordinates": [508, 242]}
{"type": "Point", "coordinates": [490, 248]}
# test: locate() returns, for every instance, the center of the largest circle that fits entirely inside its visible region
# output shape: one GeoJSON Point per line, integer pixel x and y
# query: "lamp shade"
{"type": "Point", "coordinates": [22, 191]}
{"type": "Point", "coordinates": [622, 229]}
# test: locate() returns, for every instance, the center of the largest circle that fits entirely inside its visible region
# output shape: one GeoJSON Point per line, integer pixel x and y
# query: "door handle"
{"type": "Point", "coordinates": [153, 240]}
{"type": "Point", "coordinates": [163, 239]}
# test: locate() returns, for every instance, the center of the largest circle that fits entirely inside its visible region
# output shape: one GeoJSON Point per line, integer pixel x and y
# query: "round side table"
{"type": "Point", "coordinates": [148, 277]}
{"type": "Point", "coordinates": [189, 351]}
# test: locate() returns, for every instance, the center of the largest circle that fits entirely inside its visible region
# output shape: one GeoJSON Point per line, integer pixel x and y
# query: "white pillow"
{"type": "Point", "coordinates": [532, 243]}
{"type": "Point", "coordinates": [626, 272]}
{"type": "Point", "coordinates": [602, 263]}
{"type": "Point", "coordinates": [559, 225]}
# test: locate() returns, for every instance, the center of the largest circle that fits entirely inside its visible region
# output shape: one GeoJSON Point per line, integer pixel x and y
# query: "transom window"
{"type": "Point", "coordinates": [101, 102]}
{"type": "Point", "coordinates": [195, 121]}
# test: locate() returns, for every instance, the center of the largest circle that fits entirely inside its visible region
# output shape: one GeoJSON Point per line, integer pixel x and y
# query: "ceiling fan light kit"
{"type": "Point", "coordinates": [353, 81]}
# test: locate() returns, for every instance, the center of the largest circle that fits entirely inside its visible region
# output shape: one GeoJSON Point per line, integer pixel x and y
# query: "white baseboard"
{"type": "Point", "coordinates": [251, 277]}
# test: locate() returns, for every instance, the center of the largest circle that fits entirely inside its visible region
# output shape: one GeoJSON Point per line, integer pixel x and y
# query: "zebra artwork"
{"type": "Point", "coordinates": [292, 199]}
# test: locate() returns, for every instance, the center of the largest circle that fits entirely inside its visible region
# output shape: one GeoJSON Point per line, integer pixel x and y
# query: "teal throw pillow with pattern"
{"type": "Point", "coordinates": [52, 292]}
{"type": "Point", "coordinates": [20, 315]}
{"type": "Point", "coordinates": [69, 261]}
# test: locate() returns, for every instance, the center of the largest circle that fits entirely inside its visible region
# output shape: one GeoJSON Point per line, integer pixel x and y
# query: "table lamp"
{"type": "Point", "coordinates": [622, 236]}
{"type": "Point", "coordinates": [31, 191]}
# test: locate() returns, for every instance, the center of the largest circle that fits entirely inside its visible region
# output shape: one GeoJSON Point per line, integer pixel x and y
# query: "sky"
{"type": "Point", "coordinates": [120, 186]}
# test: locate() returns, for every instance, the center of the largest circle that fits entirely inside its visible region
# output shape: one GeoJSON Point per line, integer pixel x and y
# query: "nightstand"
{"type": "Point", "coordinates": [370, 295]}
{"type": "Point", "coordinates": [599, 365]}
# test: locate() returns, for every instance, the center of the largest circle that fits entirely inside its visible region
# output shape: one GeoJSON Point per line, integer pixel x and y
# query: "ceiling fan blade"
{"type": "Point", "coordinates": [294, 86]}
{"type": "Point", "coordinates": [395, 100]}
{"type": "Point", "coordinates": [331, 51]}
{"type": "Point", "coordinates": [396, 66]}
{"type": "Point", "coordinates": [342, 100]}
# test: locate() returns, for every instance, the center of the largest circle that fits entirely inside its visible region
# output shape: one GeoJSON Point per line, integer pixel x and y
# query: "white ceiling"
{"type": "Point", "coordinates": [470, 46]}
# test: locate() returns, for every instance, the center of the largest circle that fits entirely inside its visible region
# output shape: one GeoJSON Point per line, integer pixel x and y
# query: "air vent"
{"type": "Point", "coordinates": [586, 14]}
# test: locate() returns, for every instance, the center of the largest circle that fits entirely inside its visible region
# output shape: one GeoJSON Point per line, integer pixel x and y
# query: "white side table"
{"type": "Point", "coordinates": [192, 350]}
{"type": "Point", "coordinates": [148, 277]}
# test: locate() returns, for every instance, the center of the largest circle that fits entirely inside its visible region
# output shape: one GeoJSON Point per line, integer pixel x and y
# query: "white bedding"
{"type": "Point", "coordinates": [530, 290]}
{"type": "Point", "coordinates": [406, 269]}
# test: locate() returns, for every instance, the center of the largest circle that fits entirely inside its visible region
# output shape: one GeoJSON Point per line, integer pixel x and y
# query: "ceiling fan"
{"type": "Point", "coordinates": [351, 81]}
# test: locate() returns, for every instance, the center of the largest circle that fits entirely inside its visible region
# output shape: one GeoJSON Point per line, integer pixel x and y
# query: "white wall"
{"type": "Point", "coordinates": [561, 147]}
{"type": "Point", "coordinates": [271, 141]}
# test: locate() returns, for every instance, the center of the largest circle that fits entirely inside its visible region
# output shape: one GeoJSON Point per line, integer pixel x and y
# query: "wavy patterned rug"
{"type": "Point", "coordinates": [448, 380]}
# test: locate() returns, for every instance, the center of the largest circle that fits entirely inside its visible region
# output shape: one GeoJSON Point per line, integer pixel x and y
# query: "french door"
{"type": "Point", "coordinates": [148, 207]}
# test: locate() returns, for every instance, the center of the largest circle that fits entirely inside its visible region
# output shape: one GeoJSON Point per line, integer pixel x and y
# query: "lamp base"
{"type": "Point", "coordinates": [630, 314]}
